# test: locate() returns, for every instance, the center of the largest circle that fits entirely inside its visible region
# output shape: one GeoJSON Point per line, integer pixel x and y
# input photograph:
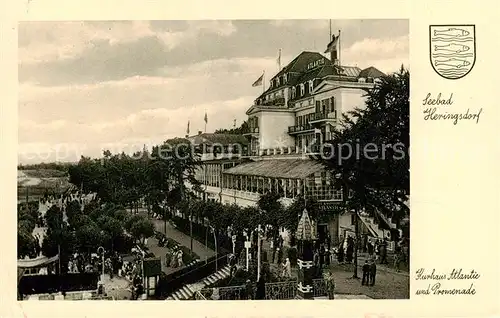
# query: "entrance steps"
{"type": "Point", "coordinates": [187, 292]}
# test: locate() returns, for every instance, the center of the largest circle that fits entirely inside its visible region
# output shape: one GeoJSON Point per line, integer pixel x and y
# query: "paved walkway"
{"type": "Point", "coordinates": [118, 287]}
{"type": "Point", "coordinates": [198, 248]}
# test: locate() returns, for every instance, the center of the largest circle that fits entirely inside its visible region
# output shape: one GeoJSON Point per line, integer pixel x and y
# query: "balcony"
{"type": "Point", "coordinates": [300, 129]}
{"type": "Point", "coordinates": [323, 117]}
{"type": "Point", "coordinates": [253, 131]}
{"type": "Point", "coordinates": [276, 102]}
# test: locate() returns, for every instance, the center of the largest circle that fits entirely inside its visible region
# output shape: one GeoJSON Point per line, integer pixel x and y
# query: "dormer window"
{"type": "Point", "coordinates": [284, 79]}
{"type": "Point", "coordinates": [294, 92]}
{"type": "Point", "coordinates": [302, 90]}
{"type": "Point", "coordinates": [311, 85]}
{"type": "Point", "coordinates": [277, 81]}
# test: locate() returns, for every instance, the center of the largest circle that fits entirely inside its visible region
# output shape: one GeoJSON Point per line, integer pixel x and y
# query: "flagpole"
{"type": "Point", "coordinates": [340, 50]}
{"type": "Point", "coordinates": [205, 120]}
{"type": "Point", "coordinates": [330, 31]}
{"type": "Point", "coordinates": [264, 81]}
{"type": "Point", "coordinates": [279, 61]}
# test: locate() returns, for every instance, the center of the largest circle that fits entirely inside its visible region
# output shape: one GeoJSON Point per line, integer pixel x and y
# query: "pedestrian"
{"type": "Point", "coordinates": [232, 263]}
{"type": "Point", "coordinates": [383, 252]}
{"type": "Point", "coordinates": [287, 269]}
{"type": "Point", "coordinates": [321, 257]}
{"type": "Point", "coordinates": [273, 248]}
{"type": "Point", "coordinates": [349, 252]}
{"type": "Point", "coordinates": [370, 249]}
{"type": "Point", "coordinates": [373, 272]}
{"type": "Point", "coordinates": [340, 254]}
{"type": "Point", "coordinates": [366, 274]}
{"type": "Point", "coordinates": [180, 261]}
{"type": "Point", "coordinates": [316, 262]}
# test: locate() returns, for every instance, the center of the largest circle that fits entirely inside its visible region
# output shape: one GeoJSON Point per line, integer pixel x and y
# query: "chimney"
{"type": "Point", "coordinates": [199, 132]}
{"type": "Point", "coordinates": [187, 136]}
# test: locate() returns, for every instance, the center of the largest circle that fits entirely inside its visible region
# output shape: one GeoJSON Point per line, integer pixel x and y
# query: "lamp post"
{"type": "Point", "coordinates": [100, 248]}
{"type": "Point", "coordinates": [215, 242]}
{"type": "Point", "coordinates": [258, 252]}
{"type": "Point", "coordinates": [247, 247]}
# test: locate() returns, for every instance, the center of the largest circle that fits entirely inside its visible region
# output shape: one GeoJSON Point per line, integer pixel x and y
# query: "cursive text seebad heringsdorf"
{"type": "Point", "coordinates": [432, 113]}
{"type": "Point", "coordinates": [438, 101]}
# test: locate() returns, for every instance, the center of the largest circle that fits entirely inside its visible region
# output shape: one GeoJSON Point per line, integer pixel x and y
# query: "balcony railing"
{"type": "Point", "coordinates": [299, 128]}
{"type": "Point", "coordinates": [324, 116]}
{"type": "Point", "coordinates": [280, 101]}
{"type": "Point", "coordinates": [252, 130]}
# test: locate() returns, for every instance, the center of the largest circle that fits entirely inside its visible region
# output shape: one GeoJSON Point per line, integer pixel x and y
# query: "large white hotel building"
{"type": "Point", "coordinates": [303, 103]}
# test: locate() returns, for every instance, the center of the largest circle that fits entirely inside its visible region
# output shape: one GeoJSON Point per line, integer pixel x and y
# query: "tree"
{"type": "Point", "coordinates": [377, 182]}
{"type": "Point", "coordinates": [26, 243]}
{"type": "Point", "coordinates": [112, 227]}
{"type": "Point", "coordinates": [272, 211]}
{"type": "Point", "coordinates": [90, 237]}
{"type": "Point", "coordinates": [142, 229]}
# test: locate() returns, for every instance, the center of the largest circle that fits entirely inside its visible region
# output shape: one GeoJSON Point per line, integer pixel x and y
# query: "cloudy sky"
{"type": "Point", "coordinates": [85, 86]}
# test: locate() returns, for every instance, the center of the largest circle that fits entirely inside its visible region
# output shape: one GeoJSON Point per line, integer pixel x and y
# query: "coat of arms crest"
{"type": "Point", "coordinates": [452, 49]}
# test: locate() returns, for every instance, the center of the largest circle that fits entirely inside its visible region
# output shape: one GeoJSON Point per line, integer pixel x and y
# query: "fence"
{"type": "Point", "coordinates": [273, 291]}
{"type": "Point", "coordinates": [42, 284]}
{"type": "Point", "coordinates": [224, 293]}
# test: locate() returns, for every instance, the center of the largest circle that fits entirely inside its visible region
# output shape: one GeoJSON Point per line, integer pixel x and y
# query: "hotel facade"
{"type": "Point", "coordinates": [298, 111]}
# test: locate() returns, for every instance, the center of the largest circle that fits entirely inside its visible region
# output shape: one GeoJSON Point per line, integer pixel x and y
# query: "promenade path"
{"type": "Point", "coordinates": [171, 232]}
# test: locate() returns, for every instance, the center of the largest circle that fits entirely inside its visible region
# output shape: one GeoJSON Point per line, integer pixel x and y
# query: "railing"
{"type": "Point", "coordinates": [320, 287]}
{"type": "Point", "coordinates": [194, 274]}
{"type": "Point", "coordinates": [321, 116]}
{"type": "Point", "coordinates": [224, 293]}
{"type": "Point", "coordinates": [274, 291]}
{"type": "Point", "coordinates": [199, 296]}
{"type": "Point", "coordinates": [299, 128]}
{"type": "Point", "coordinates": [280, 101]}
{"type": "Point", "coordinates": [281, 290]}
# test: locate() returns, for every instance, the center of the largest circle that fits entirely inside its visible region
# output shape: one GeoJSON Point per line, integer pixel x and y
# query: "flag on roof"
{"type": "Point", "coordinates": [332, 46]}
{"type": "Point", "coordinates": [259, 81]}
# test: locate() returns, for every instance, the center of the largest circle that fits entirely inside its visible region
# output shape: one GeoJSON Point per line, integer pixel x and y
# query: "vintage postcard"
{"type": "Point", "coordinates": [248, 158]}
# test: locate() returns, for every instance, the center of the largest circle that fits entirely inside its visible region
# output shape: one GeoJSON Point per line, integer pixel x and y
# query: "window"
{"type": "Point", "coordinates": [284, 79]}
{"type": "Point", "coordinates": [302, 90]}
{"type": "Point", "coordinates": [318, 106]}
{"type": "Point", "coordinates": [353, 219]}
{"type": "Point", "coordinates": [277, 81]}
{"type": "Point", "coordinates": [293, 92]}
{"type": "Point", "coordinates": [271, 84]}
{"type": "Point", "coordinates": [310, 87]}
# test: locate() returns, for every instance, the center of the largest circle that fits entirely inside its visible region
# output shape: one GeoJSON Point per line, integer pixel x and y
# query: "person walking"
{"type": "Point", "coordinates": [370, 248]}
{"type": "Point", "coordinates": [366, 274]}
{"type": "Point", "coordinates": [383, 252]}
{"type": "Point", "coordinates": [373, 272]}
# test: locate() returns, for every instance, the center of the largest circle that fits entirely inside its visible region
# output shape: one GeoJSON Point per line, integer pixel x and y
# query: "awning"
{"type": "Point", "coordinates": [36, 262]}
{"type": "Point", "coordinates": [277, 168]}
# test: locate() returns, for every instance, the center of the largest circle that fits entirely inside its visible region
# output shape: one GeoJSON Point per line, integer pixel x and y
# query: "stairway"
{"type": "Point", "coordinates": [187, 292]}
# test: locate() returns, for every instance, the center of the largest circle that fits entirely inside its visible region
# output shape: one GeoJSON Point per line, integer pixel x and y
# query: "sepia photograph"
{"type": "Point", "coordinates": [213, 160]}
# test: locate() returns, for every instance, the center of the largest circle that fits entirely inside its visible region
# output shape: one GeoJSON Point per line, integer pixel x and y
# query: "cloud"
{"type": "Point", "coordinates": [89, 84]}
{"type": "Point", "coordinates": [150, 126]}
{"type": "Point", "coordinates": [385, 54]}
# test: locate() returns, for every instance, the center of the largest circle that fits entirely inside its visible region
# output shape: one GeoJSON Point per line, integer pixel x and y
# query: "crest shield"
{"type": "Point", "coordinates": [452, 49]}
